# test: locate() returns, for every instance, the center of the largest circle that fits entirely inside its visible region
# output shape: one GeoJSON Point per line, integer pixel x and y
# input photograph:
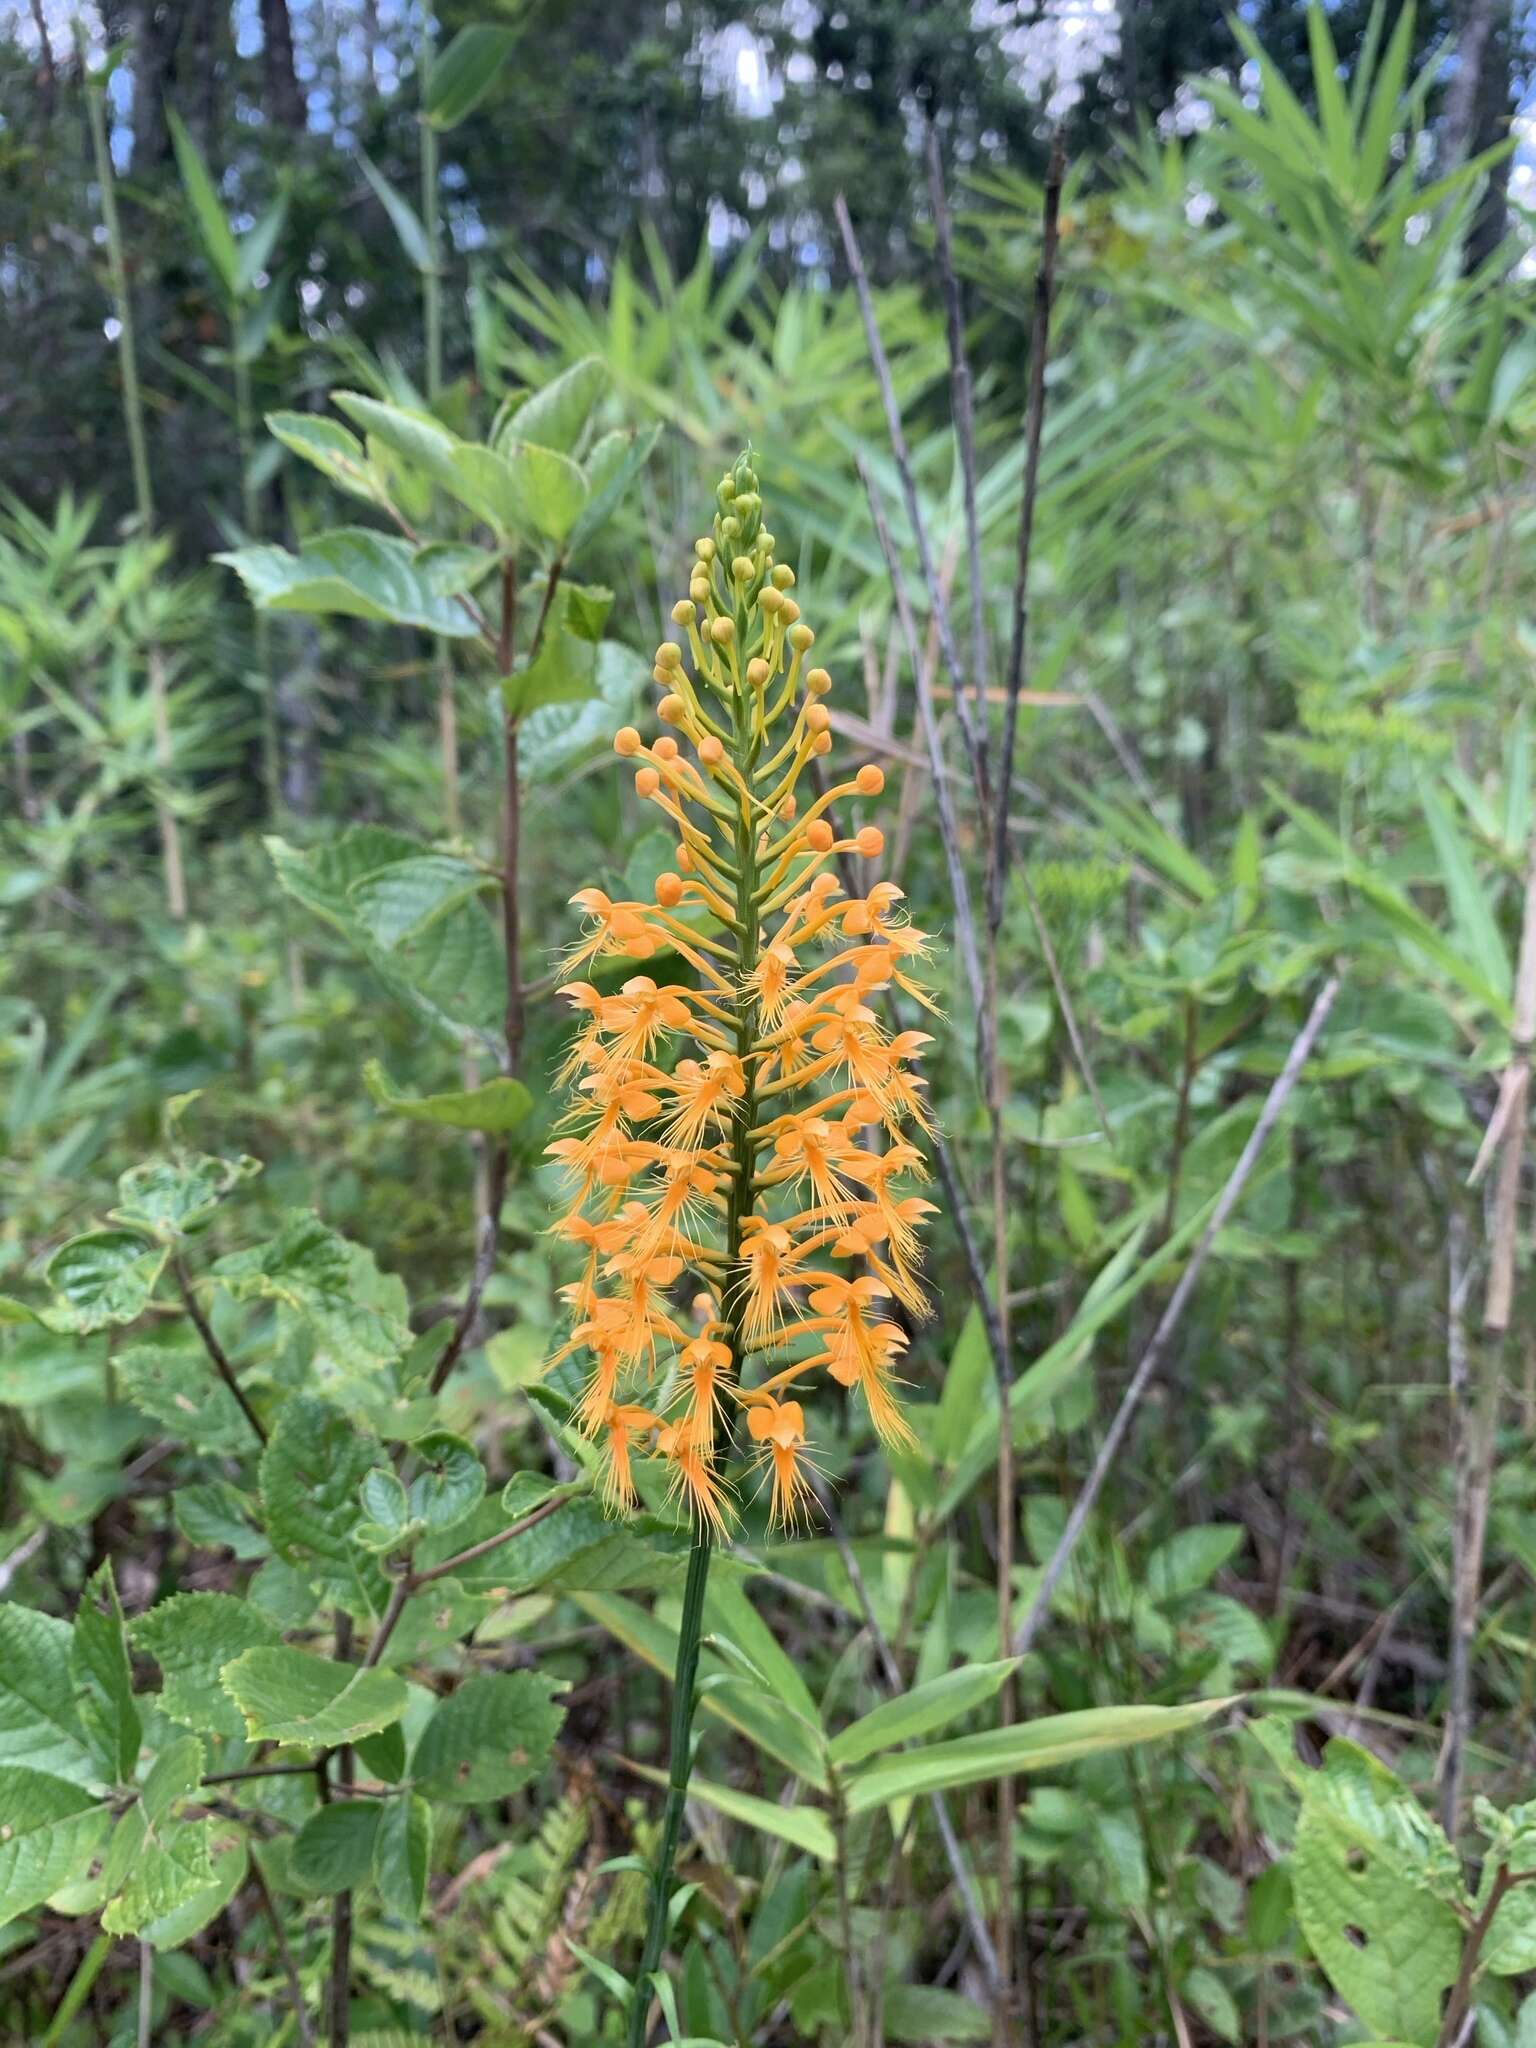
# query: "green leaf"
{"type": "Point", "coordinates": [174, 1198]}
{"type": "Point", "coordinates": [587, 606]}
{"type": "Point", "coordinates": [402, 1855]}
{"type": "Point", "coordinates": [404, 219]}
{"type": "Point", "coordinates": [1027, 1746]}
{"type": "Point", "coordinates": [761, 1720]}
{"type": "Point", "coordinates": [453, 1483]}
{"type": "Point", "coordinates": [196, 1909]}
{"type": "Point", "coordinates": [320, 1277]}
{"type": "Point", "coordinates": [1190, 1559]}
{"type": "Point", "coordinates": [311, 1474]}
{"type": "Point", "coordinates": [408, 897]}
{"type": "Point", "coordinates": [173, 1777]}
{"type": "Point", "coordinates": [217, 238]}
{"type": "Point", "coordinates": [925, 1707]}
{"type": "Point", "coordinates": [562, 672]}
{"type": "Point", "coordinates": [924, 2013]}
{"type": "Point", "coordinates": [327, 444]}
{"type": "Point", "coordinates": [451, 976]}
{"type": "Point", "coordinates": [155, 1872]}
{"type": "Point", "coordinates": [1472, 919]}
{"type": "Point", "coordinates": [577, 1549]}
{"type": "Point", "coordinates": [333, 1851]}
{"type": "Point", "coordinates": [39, 1723]}
{"type": "Point", "coordinates": [169, 1378]}
{"type": "Point", "coordinates": [803, 1826]}
{"type": "Point", "coordinates": [292, 1696]}
{"type": "Point", "coordinates": [488, 1739]}
{"type": "Point", "coordinates": [257, 243]}
{"type": "Point", "coordinates": [1371, 1872]}
{"type": "Point", "coordinates": [612, 467]}
{"type": "Point", "coordinates": [49, 1830]}
{"type": "Point", "coordinates": [465, 72]}
{"type": "Point", "coordinates": [498, 1105]}
{"type": "Point", "coordinates": [554, 415]}
{"type": "Point", "coordinates": [192, 1636]}
{"type": "Point", "coordinates": [550, 489]}
{"type": "Point", "coordinates": [354, 573]}
{"type": "Point", "coordinates": [103, 1678]}
{"type": "Point", "coordinates": [103, 1277]}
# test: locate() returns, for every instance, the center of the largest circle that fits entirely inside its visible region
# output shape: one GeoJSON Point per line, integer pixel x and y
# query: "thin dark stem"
{"type": "Point", "coordinates": [944, 803]}
{"type": "Point", "coordinates": [1039, 348]}
{"type": "Point", "coordinates": [259, 1771]}
{"type": "Point", "coordinates": [146, 2036]}
{"type": "Point", "coordinates": [214, 1349]}
{"type": "Point", "coordinates": [340, 2018]}
{"type": "Point", "coordinates": [1459, 2003]}
{"type": "Point", "coordinates": [898, 439]}
{"type": "Point", "coordinates": [1172, 1315]}
{"type": "Point", "coordinates": [965, 422]}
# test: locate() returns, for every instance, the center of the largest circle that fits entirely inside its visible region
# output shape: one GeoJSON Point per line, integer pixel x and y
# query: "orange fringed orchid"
{"type": "Point", "coordinates": [743, 1132]}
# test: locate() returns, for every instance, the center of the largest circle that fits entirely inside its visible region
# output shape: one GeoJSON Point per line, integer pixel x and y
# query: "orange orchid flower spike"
{"type": "Point", "coordinates": [741, 1115]}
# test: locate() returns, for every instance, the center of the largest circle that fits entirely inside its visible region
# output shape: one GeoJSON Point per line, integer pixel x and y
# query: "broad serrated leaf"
{"type": "Point", "coordinates": [153, 1872]}
{"type": "Point", "coordinates": [488, 1739]}
{"type": "Point", "coordinates": [311, 1475]}
{"type": "Point", "coordinates": [169, 1379]}
{"type": "Point", "coordinates": [314, 1272]}
{"type": "Point", "coordinates": [103, 1678]}
{"type": "Point", "coordinates": [172, 1778]}
{"type": "Point", "coordinates": [287, 1695]}
{"type": "Point", "coordinates": [195, 1909]}
{"type": "Point", "coordinates": [102, 1277]}
{"type": "Point", "coordinates": [49, 1830]}
{"type": "Point", "coordinates": [39, 1724]}
{"type": "Point", "coordinates": [1370, 1871]}
{"type": "Point", "coordinates": [173, 1198]}
{"type": "Point", "coordinates": [451, 1486]}
{"type": "Point", "coordinates": [333, 1851]}
{"type": "Point", "coordinates": [192, 1636]}
{"type": "Point", "coordinates": [400, 902]}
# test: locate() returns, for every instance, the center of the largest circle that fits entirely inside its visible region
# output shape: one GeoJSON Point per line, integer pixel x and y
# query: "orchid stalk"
{"type": "Point", "coordinates": [739, 1149]}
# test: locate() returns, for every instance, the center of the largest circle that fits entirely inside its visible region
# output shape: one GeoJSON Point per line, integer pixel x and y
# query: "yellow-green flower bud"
{"type": "Point", "coordinates": [683, 612]}
{"type": "Point", "coordinates": [743, 569]}
{"type": "Point", "coordinates": [801, 637]}
{"type": "Point", "coordinates": [704, 549]}
{"type": "Point", "coordinates": [722, 631]}
{"type": "Point", "coordinates": [770, 600]}
{"type": "Point", "coordinates": [669, 654]}
{"type": "Point", "coordinates": [784, 576]}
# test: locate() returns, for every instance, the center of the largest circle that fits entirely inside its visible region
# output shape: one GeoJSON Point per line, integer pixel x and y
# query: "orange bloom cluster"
{"type": "Point", "coordinates": [737, 1143]}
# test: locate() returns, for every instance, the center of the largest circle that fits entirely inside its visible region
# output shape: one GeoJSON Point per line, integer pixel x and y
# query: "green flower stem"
{"type": "Point", "coordinates": [745, 746]}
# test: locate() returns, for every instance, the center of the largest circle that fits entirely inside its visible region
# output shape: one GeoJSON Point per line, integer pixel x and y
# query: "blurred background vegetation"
{"type": "Point", "coordinates": [1276, 719]}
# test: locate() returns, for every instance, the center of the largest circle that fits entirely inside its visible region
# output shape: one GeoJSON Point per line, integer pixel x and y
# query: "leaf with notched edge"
{"type": "Point", "coordinates": [288, 1695]}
